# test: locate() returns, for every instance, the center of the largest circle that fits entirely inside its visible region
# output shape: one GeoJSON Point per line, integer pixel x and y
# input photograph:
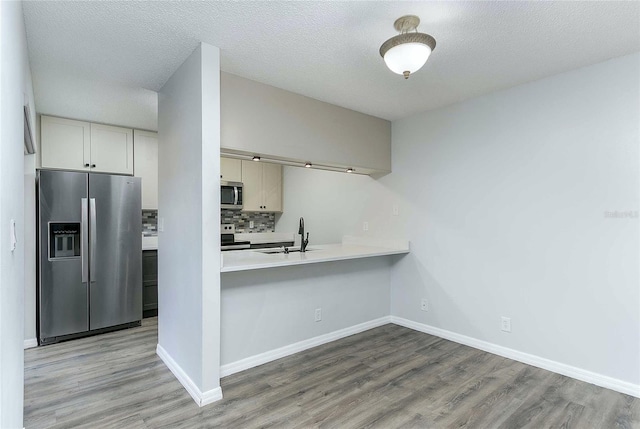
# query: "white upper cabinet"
{"type": "Point", "coordinates": [145, 166]}
{"type": "Point", "coordinates": [252, 189]}
{"type": "Point", "coordinates": [65, 144]}
{"type": "Point", "coordinates": [111, 149]}
{"type": "Point", "coordinates": [272, 187]}
{"type": "Point", "coordinates": [230, 169]}
{"type": "Point", "coordinates": [262, 190]}
{"type": "Point", "coordinates": [76, 145]}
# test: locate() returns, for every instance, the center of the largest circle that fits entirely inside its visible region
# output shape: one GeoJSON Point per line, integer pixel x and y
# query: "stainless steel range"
{"type": "Point", "coordinates": [228, 241]}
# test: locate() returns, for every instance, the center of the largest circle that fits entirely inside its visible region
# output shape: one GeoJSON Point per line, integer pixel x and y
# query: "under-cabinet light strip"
{"type": "Point", "coordinates": [288, 163]}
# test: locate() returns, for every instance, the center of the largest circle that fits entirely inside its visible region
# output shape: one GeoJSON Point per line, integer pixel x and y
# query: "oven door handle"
{"type": "Point", "coordinates": [235, 247]}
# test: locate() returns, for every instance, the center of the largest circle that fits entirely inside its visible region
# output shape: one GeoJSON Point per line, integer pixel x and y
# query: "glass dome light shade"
{"type": "Point", "coordinates": [407, 57]}
{"type": "Point", "coordinates": [407, 52]}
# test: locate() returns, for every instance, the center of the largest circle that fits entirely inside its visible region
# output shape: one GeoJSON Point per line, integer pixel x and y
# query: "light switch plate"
{"type": "Point", "coordinates": [505, 324]}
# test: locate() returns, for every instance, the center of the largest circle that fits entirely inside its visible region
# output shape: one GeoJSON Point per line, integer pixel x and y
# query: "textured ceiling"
{"type": "Point", "coordinates": [108, 58]}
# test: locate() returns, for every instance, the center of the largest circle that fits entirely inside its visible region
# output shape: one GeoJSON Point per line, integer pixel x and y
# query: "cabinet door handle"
{"type": "Point", "coordinates": [93, 166]}
{"type": "Point", "coordinates": [86, 165]}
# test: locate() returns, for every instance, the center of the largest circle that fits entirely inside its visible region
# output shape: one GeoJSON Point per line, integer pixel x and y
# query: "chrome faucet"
{"type": "Point", "coordinates": [303, 242]}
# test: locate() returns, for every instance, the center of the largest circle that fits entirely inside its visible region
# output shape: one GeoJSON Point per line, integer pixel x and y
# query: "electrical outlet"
{"type": "Point", "coordinates": [365, 226]}
{"type": "Point", "coordinates": [396, 210]}
{"type": "Point", "coordinates": [424, 304]}
{"type": "Point", "coordinates": [160, 224]}
{"type": "Point", "coordinates": [506, 324]}
{"type": "Point", "coordinates": [251, 224]}
{"type": "Point", "coordinates": [318, 314]}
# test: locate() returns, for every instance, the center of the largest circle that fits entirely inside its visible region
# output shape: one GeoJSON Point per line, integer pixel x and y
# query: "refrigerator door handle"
{"type": "Point", "coordinates": [84, 241]}
{"type": "Point", "coordinates": [92, 239]}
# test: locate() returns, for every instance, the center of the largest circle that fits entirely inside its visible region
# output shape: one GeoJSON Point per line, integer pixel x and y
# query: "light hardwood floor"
{"type": "Point", "coordinates": [388, 377]}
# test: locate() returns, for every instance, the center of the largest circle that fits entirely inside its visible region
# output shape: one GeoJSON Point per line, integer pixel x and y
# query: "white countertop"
{"type": "Point", "coordinates": [149, 242]}
{"type": "Point", "coordinates": [350, 248]}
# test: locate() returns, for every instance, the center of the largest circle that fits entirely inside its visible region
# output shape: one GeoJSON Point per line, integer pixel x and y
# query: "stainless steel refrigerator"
{"type": "Point", "coordinates": [90, 254]}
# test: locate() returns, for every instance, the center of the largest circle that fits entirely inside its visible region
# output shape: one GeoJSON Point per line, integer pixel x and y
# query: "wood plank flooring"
{"type": "Point", "coordinates": [388, 377]}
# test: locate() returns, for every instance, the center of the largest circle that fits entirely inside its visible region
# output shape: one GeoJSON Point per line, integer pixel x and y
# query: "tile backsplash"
{"type": "Point", "coordinates": [149, 222]}
{"type": "Point", "coordinates": [262, 222]}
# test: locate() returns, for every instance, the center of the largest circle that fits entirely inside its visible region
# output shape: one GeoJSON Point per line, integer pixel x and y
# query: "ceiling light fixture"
{"type": "Point", "coordinates": [407, 52]}
{"type": "Point", "coordinates": [350, 170]}
{"type": "Point", "coordinates": [308, 165]}
{"type": "Point", "coordinates": [256, 158]}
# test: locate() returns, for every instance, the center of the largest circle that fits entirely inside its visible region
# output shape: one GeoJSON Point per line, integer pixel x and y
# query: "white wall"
{"type": "Point", "coordinates": [333, 205]}
{"type": "Point", "coordinates": [504, 199]}
{"type": "Point", "coordinates": [291, 126]}
{"type": "Point", "coordinates": [60, 94]}
{"type": "Point", "coordinates": [189, 206]}
{"type": "Point", "coordinates": [15, 88]}
{"type": "Point", "coordinates": [30, 248]}
{"type": "Point", "coordinates": [264, 310]}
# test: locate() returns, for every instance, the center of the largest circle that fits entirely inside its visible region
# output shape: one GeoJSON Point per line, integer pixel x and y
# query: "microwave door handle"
{"type": "Point", "coordinates": [235, 193]}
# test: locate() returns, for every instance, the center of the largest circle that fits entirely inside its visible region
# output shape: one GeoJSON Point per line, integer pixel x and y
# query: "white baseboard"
{"type": "Point", "coordinates": [30, 343]}
{"type": "Point", "coordinates": [201, 398]}
{"type": "Point", "coordinates": [262, 358]}
{"type": "Point", "coordinates": [540, 362]}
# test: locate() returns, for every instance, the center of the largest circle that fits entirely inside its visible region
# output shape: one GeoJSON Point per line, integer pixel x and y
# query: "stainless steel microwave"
{"type": "Point", "coordinates": [231, 195]}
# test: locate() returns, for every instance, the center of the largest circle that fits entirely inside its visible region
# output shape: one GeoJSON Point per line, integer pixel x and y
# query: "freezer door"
{"type": "Point", "coordinates": [115, 250]}
{"type": "Point", "coordinates": [63, 298]}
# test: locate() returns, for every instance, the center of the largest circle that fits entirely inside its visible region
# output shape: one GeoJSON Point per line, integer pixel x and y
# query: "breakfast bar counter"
{"type": "Point", "coordinates": [275, 304]}
{"type": "Point", "coordinates": [350, 248]}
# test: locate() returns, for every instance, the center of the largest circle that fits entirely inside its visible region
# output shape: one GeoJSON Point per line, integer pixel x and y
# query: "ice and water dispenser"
{"type": "Point", "coordinates": [64, 240]}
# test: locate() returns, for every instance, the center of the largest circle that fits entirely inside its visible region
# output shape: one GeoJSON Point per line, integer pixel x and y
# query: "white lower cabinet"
{"type": "Point", "coordinates": [262, 186]}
